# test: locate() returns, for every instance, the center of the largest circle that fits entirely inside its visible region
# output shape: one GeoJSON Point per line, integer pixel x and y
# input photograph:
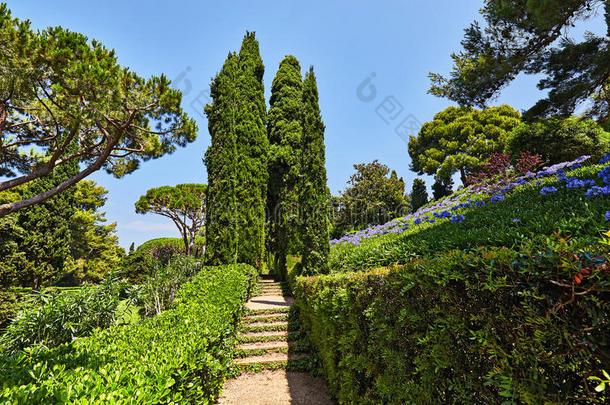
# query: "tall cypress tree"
{"type": "Point", "coordinates": [313, 192]}
{"type": "Point", "coordinates": [419, 194]}
{"type": "Point", "coordinates": [252, 147]}
{"type": "Point", "coordinates": [221, 163]}
{"type": "Point", "coordinates": [285, 132]}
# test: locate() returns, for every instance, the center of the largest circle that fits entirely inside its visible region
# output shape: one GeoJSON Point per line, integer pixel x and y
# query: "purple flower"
{"type": "Point", "coordinates": [497, 198]}
{"type": "Point", "coordinates": [608, 212]}
{"type": "Point", "coordinates": [457, 219]}
{"type": "Point", "coordinates": [548, 190]}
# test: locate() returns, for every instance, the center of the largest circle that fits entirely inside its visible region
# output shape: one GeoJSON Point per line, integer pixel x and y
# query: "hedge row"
{"type": "Point", "coordinates": [182, 355]}
{"type": "Point", "coordinates": [483, 326]}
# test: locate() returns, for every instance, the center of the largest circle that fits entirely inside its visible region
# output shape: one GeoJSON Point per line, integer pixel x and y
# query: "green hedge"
{"type": "Point", "coordinates": [489, 325]}
{"type": "Point", "coordinates": [182, 355]}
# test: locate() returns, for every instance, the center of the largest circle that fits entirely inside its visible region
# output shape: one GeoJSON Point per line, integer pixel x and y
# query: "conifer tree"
{"type": "Point", "coordinates": [252, 148]}
{"type": "Point", "coordinates": [221, 163]}
{"type": "Point", "coordinates": [419, 195]}
{"type": "Point", "coordinates": [285, 132]}
{"type": "Point", "coordinates": [46, 244]}
{"type": "Point", "coordinates": [441, 188]}
{"type": "Point", "coordinates": [313, 193]}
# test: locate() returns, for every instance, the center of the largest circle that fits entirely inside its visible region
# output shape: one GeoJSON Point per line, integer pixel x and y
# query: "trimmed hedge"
{"type": "Point", "coordinates": [483, 326]}
{"type": "Point", "coordinates": [182, 355]}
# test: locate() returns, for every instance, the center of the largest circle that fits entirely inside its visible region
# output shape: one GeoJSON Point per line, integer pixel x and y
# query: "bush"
{"type": "Point", "coordinates": [180, 356]}
{"type": "Point", "coordinates": [483, 326]}
{"type": "Point", "coordinates": [159, 290]}
{"type": "Point", "coordinates": [164, 249]}
{"type": "Point", "coordinates": [558, 139]}
{"type": "Point", "coordinates": [60, 317]}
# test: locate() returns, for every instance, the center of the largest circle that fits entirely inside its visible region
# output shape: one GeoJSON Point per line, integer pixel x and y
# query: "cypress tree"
{"type": "Point", "coordinates": [221, 163]}
{"type": "Point", "coordinates": [252, 148]}
{"type": "Point", "coordinates": [313, 194]}
{"type": "Point", "coordinates": [285, 132]}
{"type": "Point", "coordinates": [419, 194]}
{"type": "Point", "coordinates": [442, 188]}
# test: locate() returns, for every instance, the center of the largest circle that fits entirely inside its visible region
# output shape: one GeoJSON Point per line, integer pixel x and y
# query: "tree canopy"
{"type": "Point", "coordinates": [371, 197]}
{"type": "Point", "coordinates": [57, 89]}
{"type": "Point", "coordinates": [419, 194]}
{"type": "Point", "coordinates": [460, 139]}
{"type": "Point", "coordinates": [184, 204]}
{"type": "Point", "coordinates": [523, 36]}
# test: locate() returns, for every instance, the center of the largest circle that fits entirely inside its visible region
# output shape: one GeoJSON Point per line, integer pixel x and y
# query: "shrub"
{"type": "Point", "coordinates": [180, 356]}
{"type": "Point", "coordinates": [60, 317]}
{"type": "Point", "coordinates": [485, 326]}
{"type": "Point", "coordinates": [558, 139]}
{"type": "Point", "coordinates": [159, 290]}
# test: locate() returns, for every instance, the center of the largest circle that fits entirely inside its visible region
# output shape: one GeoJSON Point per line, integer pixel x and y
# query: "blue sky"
{"type": "Point", "coordinates": [347, 41]}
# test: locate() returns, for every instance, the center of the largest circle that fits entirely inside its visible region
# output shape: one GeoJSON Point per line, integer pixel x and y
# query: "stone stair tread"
{"type": "Point", "coordinates": [269, 302]}
{"type": "Point", "coordinates": [270, 358]}
{"type": "Point", "coordinates": [266, 333]}
{"type": "Point", "coordinates": [276, 323]}
{"type": "Point", "coordinates": [263, 315]}
{"type": "Point", "coordinates": [277, 344]}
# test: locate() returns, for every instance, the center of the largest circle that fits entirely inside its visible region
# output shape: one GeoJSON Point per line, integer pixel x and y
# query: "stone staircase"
{"type": "Point", "coordinates": [272, 356]}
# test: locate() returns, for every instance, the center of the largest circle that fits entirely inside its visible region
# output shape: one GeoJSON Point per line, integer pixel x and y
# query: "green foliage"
{"type": "Point", "coordinates": [485, 325]}
{"type": "Point", "coordinates": [236, 160]}
{"type": "Point", "coordinates": [520, 37]}
{"type": "Point", "coordinates": [94, 247]}
{"type": "Point", "coordinates": [313, 192]}
{"type": "Point", "coordinates": [45, 241]}
{"type": "Point", "coordinates": [252, 147]}
{"type": "Point", "coordinates": [136, 266]}
{"type": "Point", "coordinates": [568, 211]}
{"type": "Point", "coordinates": [419, 195]}
{"type": "Point", "coordinates": [158, 292]}
{"type": "Point", "coordinates": [112, 117]}
{"type": "Point", "coordinates": [57, 318]}
{"type": "Point", "coordinates": [559, 139]}
{"type": "Point", "coordinates": [371, 197]}
{"type": "Point", "coordinates": [442, 188]}
{"type": "Point", "coordinates": [180, 356]}
{"type": "Point", "coordinates": [184, 204]}
{"type": "Point", "coordinates": [460, 139]}
{"type": "Point", "coordinates": [285, 130]}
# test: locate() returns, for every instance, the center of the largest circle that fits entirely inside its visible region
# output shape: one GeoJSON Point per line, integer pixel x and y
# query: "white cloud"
{"type": "Point", "coordinates": [150, 226]}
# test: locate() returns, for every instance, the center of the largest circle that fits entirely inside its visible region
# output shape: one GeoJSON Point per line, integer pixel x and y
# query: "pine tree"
{"type": "Point", "coordinates": [313, 194]}
{"type": "Point", "coordinates": [441, 188]}
{"type": "Point", "coordinates": [419, 194]}
{"type": "Point", "coordinates": [221, 163]}
{"type": "Point", "coordinates": [252, 146]}
{"type": "Point", "coordinates": [285, 132]}
{"type": "Point", "coordinates": [46, 244]}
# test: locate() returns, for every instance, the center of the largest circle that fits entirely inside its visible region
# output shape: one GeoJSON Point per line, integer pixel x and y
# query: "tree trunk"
{"type": "Point", "coordinates": [463, 175]}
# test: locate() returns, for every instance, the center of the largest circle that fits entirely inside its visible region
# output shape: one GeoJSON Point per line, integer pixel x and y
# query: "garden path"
{"type": "Point", "coordinates": [273, 356]}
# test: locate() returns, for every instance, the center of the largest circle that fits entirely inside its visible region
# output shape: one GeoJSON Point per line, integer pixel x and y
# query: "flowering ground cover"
{"type": "Point", "coordinates": [570, 197]}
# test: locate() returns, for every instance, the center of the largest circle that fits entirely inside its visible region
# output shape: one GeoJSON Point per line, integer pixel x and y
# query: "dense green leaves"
{"type": "Point", "coordinates": [519, 37]}
{"type": "Point", "coordinates": [460, 139]}
{"type": "Point", "coordinates": [371, 198]}
{"type": "Point", "coordinates": [236, 160]}
{"type": "Point", "coordinates": [285, 130]}
{"type": "Point", "coordinates": [113, 117]}
{"type": "Point", "coordinates": [559, 140]}
{"type": "Point", "coordinates": [184, 204]}
{"type": "Point", "coordinates": [313, 192]}
{"type": "Point", "coordinates": [419, 195]}
{"type": "Point", "coordinates": [182, 355]}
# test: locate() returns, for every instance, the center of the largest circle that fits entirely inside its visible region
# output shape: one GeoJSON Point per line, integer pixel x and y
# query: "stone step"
{"type": "Point", "coordinates": [275, 323]}
{"type": "Point", "coordinates": [265, 318]}
{"type": "Point", "coordinates": [270, 358]}
{"type": "Point", "coordinates": [278, 310]}
{"type": "Point", "coordinates": [269, 302]}
{"type": "Point", "coordinates": [278, 344]}
{"type": "Point", "coordinates": [265, 315]}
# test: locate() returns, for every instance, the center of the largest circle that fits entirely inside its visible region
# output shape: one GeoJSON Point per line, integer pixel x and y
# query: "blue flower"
{"type": "Point", "coordinates": [576, 166]}
{"type": "Point", "coordinates": [547, 190]}
{"type": "Point", "coordinates": [497, 198]}
{"type": "Point", "coordinates": [605, 159]}
{"type": "Point", "coordinates": [480, 203]}
{"type": "Point", "coordinates": [598, 191]}
{"type": "Point", "coordinates": [457, 219]}
{"type": "Point", "coordinates": [608, 212]}
{"type": "Point", "coordinates": [516, 220]}
{"type": "Point", "coordinates": [417, 221]}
